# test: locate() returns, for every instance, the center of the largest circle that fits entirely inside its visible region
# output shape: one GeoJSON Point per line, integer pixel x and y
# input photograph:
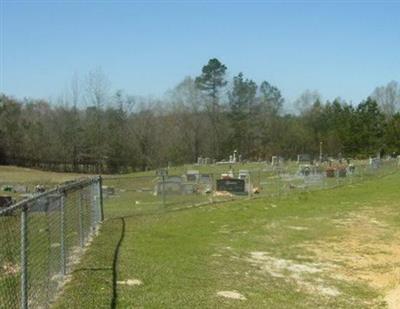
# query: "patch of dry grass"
{"type": "Point", "coordinates": [364, 253]}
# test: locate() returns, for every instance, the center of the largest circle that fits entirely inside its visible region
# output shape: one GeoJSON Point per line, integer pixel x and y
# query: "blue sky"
{"type": "Point", "coordinates": [339, 48]}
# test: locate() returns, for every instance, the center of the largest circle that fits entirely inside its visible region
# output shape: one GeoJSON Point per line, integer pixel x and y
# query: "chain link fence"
{"type": "Point", "coordinates": [138, 195]}
{"type": "Point", "coordinates": [42, 238]}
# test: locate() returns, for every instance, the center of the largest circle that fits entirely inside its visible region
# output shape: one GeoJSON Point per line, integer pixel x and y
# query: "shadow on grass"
{"type": "Point", "coordinates": [115, 265]}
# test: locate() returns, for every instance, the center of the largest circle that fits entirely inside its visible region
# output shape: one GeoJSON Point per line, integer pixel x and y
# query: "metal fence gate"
{"type": "Point", "coordinates": [42, 238]}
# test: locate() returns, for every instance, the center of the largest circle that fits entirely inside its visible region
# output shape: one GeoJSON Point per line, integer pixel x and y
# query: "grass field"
{"type": "Point", "coordinates": [336, 248]}
{"type": "Point", "coordinates": [43, 236]}
{"type": "Point", "coordinates": [11, 175]}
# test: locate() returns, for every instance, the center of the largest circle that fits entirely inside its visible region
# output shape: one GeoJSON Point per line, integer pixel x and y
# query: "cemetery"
{"type": "Point", "coordinates": [253, 188]}
{"type": "Point", "coordinates": [298, 198]}
{"type": "Point", "coordinates": [199, 154]}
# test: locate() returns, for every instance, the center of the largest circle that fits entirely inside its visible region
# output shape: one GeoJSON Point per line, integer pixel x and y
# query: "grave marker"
{"type": "Point", "coordinates": [231, 185]}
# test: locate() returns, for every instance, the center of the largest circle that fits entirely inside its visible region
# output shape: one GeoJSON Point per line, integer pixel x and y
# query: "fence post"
{"type": "Point", "coordinates": [62, 234]}
{"type": "Point", "coordinates": [93, 206]}
{"type": "Point", "coordinates": [279, 184]}
{"type": "Point", "coordinates": [24, 258]}
{"type": "Point", "coordinates": [212, 188]}
{"type": "Point", "coordinates": [81, 236]}
{"type": "Point", "coordinates": [101, 198]}
{"type": "Point", "coordinates": [249, 186]}
{"type": "Point", "coordinates": [163, 191]}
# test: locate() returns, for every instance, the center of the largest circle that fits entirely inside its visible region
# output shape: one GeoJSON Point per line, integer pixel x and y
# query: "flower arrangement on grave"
{"type": "Point", "coordinates": [330, 172]}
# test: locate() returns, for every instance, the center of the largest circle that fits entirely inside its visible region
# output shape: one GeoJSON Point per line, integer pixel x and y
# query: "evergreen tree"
{"type": "Point", "coordinates": [241, 101]}
{"type": "Point", "coordinates": [210, 82]}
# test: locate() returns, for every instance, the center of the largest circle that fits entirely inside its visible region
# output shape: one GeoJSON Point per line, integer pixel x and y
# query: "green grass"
{"type": "Point", "coordinates": [18, 175]}
{"type": "Point", "coordinates": [12, 175]}
{"type": "Point", "coordinates": [185, 256]}
{"type": "Point", "coordinates": [43, 239]}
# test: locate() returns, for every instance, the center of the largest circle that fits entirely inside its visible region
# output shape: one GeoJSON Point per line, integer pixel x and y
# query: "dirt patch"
{"type": "Point", "coordinates": [10, 269]}
{"type": "Point", "coordinates": [367, 252]}
{"type": "Point", "coordinates": [355, 260]}
{"type": "Point", "coordinates": [130, 282]}
{"type": "Point", "coordinates": [223, 194]}
{"type": "Point", "coordinates": [272, 263]}
{"type": "Point", "coordinates": [290, 270]}
{"type": "Point", "coordinates": [298, 228]}
{"type": "Point", "coordinates": [393, 298]}
{"type": "Point", "coordinates": [231, 295]}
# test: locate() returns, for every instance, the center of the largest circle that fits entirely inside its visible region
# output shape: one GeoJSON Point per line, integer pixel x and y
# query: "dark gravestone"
{"type": "Point", "coordinates": [231, 185]}
{"type": "Point", "coordinates": [5, 201]}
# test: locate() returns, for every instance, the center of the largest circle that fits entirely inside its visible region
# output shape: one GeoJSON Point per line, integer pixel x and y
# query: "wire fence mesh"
{"type": "Point", "coordinates": [42, 239]}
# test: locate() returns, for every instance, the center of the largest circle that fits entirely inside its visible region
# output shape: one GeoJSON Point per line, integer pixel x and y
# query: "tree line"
{"type": "Point", "coordinates": [208, 115]}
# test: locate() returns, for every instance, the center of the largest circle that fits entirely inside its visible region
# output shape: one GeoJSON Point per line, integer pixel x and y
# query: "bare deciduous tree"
{"type": "Point", "coordinates": [388, 97]}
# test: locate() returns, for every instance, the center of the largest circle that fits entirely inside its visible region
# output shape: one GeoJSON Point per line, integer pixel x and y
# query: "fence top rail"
{"type": "Point", "coordinates": [60, 189]}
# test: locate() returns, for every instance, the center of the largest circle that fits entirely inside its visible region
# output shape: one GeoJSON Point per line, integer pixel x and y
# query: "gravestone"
{"type": "Point", "coordinates": [170, 187]}
{"type": "Point", "coordinates": [304, 170]}
{"type": "Point", "coordinates": [192, 175]}
{"type": "Point", "coordinates": [20, 189]}
{"type": "Point", "coordinates": [205, 179]}
{"type": "Point", "coordinates": [375, 163]}
{"type": "Point", "coordinates": [231, 185]}
{"type": "Point", "coordinates": [188, 188]}
{"type": "Point", "coordinates": [5, 201]}
{"type": "Point", "coordinates": [244, 174]}
{"type": "Point", "coordinates": [177, 179]}
{"type": "Point", "coordinates": [303, 159]}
